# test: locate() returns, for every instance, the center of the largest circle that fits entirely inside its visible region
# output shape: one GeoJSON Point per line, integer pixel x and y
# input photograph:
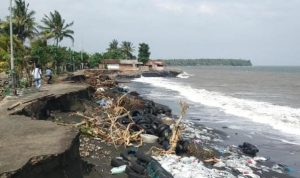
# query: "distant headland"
{"type": "Point", "coordinates": [207, 62]}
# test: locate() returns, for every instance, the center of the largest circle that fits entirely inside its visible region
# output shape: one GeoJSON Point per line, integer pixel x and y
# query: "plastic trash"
{"type": "Point", "coordinates": [189, 167]}
{"type": "Point", "coordinates": [281, 168]}
{"type": "Point", "coordinates": [147, 138]}
{"type": "Point", "coordinates": [260, 159]}
{"type": "Point", "coordinates": [118, 170]}
{"type": "Point", "coordinates": [104, 102]}
{"type": "Point", "coordinates": [219, 164]}
{"type": "Point", "coordinates": [100, 89]}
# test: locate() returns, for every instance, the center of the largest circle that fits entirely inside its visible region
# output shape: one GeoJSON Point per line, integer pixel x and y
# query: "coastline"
{"type": "Point", "coordinates": [97, 154]}
{"type": "Point", "coordinates": [212, 145]}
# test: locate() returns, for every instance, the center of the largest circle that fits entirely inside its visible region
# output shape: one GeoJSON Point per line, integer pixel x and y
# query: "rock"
{"type": "Point", "coordinates": [249, 149]}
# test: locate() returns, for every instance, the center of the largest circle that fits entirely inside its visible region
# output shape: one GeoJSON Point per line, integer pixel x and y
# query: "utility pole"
{"type": "Point", "coordinates": [12, 67]}
{"type": "Point", "coordinates": [81, 55]}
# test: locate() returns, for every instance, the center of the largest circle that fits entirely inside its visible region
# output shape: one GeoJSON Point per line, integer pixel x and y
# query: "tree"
{"type": "Point", "coordinates": [4, 55]}
{"type": "Point", "coordinates": [144, 53]}
{"type": "Point", "coordinates": [113, 45]}
{"type": "Point", "coordinates": [40, 51]}
{"type": "Point", "coordinates": [95, 60]}
{"type": "Point", "coordinates": [5, 49]}
{"type": "Point", "coordinates": [113, 51]}
{"type": "Point", "coordinates": [127, 49]}
{"type": "Point", "coordinates": [56, 27]}
{"type": "Point", "coordinates": [24, 27]}
{"type": "Point", "coordinates": [23, 21]}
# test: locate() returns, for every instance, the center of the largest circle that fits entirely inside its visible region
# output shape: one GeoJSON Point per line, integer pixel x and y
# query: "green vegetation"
{"type": "Point", "coordinates": [208, 62]}
{"type": "Point", "coordinates": [55, 27]}
{"type": "Point", "coordinates": [113, 51]}
{"type": "Point", "coordinates": [144, 53]}
{"type": "Point", "coordinates": [127, 50]}
{"type": "Point", "coordinates": [39, 43]}
{"type": "Point", "coordinates": [23, 21]}
{"type": "Point", "coordinates": [116, 52]}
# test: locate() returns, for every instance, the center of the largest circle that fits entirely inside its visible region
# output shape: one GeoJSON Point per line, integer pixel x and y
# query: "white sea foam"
{"type": "Point", "coordinates": [283, 118]}
{"type": "Point", "coordinates": [184, 75]}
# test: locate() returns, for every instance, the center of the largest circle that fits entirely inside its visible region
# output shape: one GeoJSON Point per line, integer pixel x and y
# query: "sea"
{"type": "Point", "coordinates": [259, 105]}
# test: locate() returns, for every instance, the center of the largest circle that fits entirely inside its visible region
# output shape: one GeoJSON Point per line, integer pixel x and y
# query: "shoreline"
{"type": "Point", "coordinates": [273, 173]}
{"type": "Point", "coordinates": [99, 150]}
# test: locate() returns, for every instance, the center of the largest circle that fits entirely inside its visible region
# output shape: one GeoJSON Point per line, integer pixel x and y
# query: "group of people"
{"type": "Point", "coordinates": [37, 76]}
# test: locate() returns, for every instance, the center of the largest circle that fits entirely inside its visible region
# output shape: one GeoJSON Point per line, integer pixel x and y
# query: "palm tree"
{"type": "Point", "coordinates": [56, 27]}
{"type": "Point", "coordinates": [23, 21]}
{"type": "Point", "coordinates": [127, 49]}
{"type": "Point", "coordinates": [113, 45]}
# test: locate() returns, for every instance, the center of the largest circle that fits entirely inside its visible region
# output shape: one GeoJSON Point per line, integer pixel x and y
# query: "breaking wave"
{"type": "Point", "coordinates": [184, 75]}
{"type": "Point", "coordinates": [283, 118]}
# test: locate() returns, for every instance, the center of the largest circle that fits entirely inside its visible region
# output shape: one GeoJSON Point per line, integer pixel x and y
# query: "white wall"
{"type": "Point", "coordinates": [113, 66]}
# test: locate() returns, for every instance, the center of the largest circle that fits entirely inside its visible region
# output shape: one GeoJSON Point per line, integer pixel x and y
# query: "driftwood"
{"type": "Point", "coordinates": [109, 129]}
{"type": "Point", "coordinates": [176, 133]}
{"type": "Point", "coordinates": [14, 105]}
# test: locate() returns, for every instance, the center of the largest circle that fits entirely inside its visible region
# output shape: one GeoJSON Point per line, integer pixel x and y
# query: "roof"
{"type": "Point", "coordinates": [134, 61]}
{"type": "Point", "coordinates": [110, 61]}
{"type": "Point", "coordinates": [151, 62]}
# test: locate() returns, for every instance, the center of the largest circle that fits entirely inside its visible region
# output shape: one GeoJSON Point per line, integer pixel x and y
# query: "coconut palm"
{"type": "Point", "coordinates": [113, 45]}
{"type": "Point", "coordinates": [127, 49]}
{"type": "Point", "coordinates": [23, 20]}
{"type": "Point", "coordinates": [56, 27]}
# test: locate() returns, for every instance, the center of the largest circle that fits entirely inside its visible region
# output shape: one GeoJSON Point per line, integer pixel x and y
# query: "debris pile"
{"type": "Point", "coordinates": [189, 167]}
{"type": "Point", "coordinates": [99, 78]}
{"type": "Point", "coordinates": [184, 150]}
{"type": "Point", "coordinates": [112, 126]}
{"type": "Point", "coordinates": [211, 158]}
{"type": "Point", "coordinates": [122, 117]}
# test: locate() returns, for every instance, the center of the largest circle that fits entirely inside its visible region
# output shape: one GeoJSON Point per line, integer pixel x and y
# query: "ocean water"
{"type": "Point", "coordinates": [260, 105]}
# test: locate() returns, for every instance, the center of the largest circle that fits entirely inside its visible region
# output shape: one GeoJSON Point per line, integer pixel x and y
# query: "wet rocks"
{"type": "Point", "coordinates": [139, 165]}
{"type": "Point", "coordinates": [90, 147]}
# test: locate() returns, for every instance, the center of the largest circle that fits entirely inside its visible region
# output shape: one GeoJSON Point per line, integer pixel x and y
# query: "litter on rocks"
{"type": "Point", "coordinates": [118, 170]}
{"type": "Point", "coordinates": [104, 103]}
{"type": "Point", "coordinates": [189, 167]}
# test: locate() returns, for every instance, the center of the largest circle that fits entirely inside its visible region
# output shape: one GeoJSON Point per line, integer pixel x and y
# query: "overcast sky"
{"type": "Point", "coordinates": [265, 31]}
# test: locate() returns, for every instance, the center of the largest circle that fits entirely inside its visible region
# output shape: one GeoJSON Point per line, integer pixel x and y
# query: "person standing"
{"type": "Point", "coordinates": [37, 73]}
{"type": "Point", "coordinates": [49, 75]}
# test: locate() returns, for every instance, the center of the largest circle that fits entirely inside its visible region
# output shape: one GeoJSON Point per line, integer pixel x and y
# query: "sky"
{"type": "Point", "coordinates": [267, 32]}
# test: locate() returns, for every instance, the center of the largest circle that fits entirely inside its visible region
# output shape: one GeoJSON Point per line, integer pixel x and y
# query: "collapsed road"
{"type": "Point", "coordinates": [31, 147]}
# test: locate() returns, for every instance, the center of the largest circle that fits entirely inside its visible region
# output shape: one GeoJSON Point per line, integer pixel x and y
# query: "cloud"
{"type": "Point", "coordinates": [186, 7]}
{"type": "Point", "coordinates": [261, 30]}
{"type": "Point", "coordinates": [171, 6]}
{"type": "Point", "coordinates": [206, 8]}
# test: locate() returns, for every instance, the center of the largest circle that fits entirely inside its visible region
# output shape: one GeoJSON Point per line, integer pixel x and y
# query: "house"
{"type": "Point", "coordinates": [120, 65]}
{"type": "Point", "coordinates": [110, 64]}
{"type": "Point", "coordinates": [155, 64]}
{"type": "Point", "coordinates": [127, 65]}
